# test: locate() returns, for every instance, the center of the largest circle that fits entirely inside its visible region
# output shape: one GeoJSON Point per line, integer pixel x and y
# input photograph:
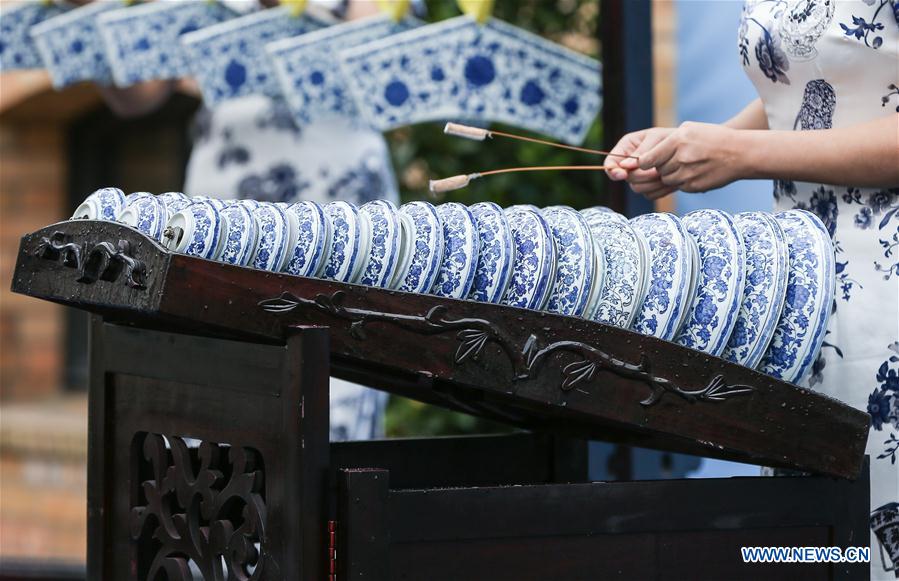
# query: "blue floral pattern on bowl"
{"type": "Point", "coordinates": [241, 235]}
{"type": "Point", "coordinates": [459, 69]}
{"type": "Point", "coordinates": [274, 232]}
{"type": "Point", "coordinates": [103, 204]}
{"type": "Point", "coordinates": [460, 251]}
{"type": "Point", "coordinates": [195, 231]}
{"type": "Point", "coordinates": [308, 241]}
{"type": "Point", "coordinates": [722, 273]}
{"type": "Point", "coordinates": [496, 253]}
{"type": "Point", "coordinates": [142, 41]}
{"type": "Point", "coordinates": [670, 265]}
{"type": "Point", "coordinates": [425, 245]}
{"type": "Point", "coordinates": [809, 297]}
{"type": "Point", "coordinates": [70, 45]}
{"type": "Point", "coordinates": [134, 197]}
{"type": "Point", "coordinates": [534, 268]}
{"type": "Point", "coordinates": [346, 232]}
{"type": "Point", "coordinates": [598, 214]}
{"type": "Point", "coordinates": [622, 291]}
{"type": "Point", "coordinates": [229, 59]}
{"type": "Point", "coordinates": [217, 203]}
{"type": "Point", "coordinates": [174, 201]}
{"type": "Point", "coordinates": [767, 267]}
{"type": "Point", "coordinates": [575, 261]}
{"type": "Point", "coordinates": [17, 49]}
{"type": "Point", "coordinates": [384, 254]}
{"type": "Point", "coordinates": [146, 213]}
{"type": "Point", "coordinates": [308, 70]}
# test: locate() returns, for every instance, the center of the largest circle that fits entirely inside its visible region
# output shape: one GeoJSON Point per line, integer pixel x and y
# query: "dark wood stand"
{"type": "Point", "coordinates": [208, 427]}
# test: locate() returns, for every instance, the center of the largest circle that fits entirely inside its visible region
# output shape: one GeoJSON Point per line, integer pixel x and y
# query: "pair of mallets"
{"type": "Point", "coordinates": [478, 134]}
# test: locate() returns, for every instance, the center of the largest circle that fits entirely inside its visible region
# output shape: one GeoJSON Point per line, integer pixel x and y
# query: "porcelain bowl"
{"type": "Point", "coordinates": [148, 214]}
{"type": "Point", "coordinates": [460, 251]}
{"type": "Point", "coordinates": [103, 204]}
{"type": "Point", "coordinates": [196, 230]}
{"type": "Point", "coordinates": [496, 253]}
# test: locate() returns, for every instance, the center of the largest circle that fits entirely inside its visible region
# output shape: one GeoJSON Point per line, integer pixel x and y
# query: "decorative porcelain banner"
{"type": "Point", "coordinates": [142, 41]}
{"type": "Point", "coordinates": [17, 50]}
{"type": "Point", "coordinates": [307, 66]}
{"type": "Point", "coordinates": [229, 59]}
{"type": "Point", "coordinates": [70, 45]}
{"type": "Point", "coordinates": [458, 69]}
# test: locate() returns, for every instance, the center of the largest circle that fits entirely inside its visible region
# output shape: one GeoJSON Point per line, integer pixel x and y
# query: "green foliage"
{"type": "Point", "coordinates": [423, 152]}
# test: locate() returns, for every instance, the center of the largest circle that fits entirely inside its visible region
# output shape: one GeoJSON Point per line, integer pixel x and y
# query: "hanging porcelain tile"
{"type": "Point", "coordinates": [229, 59]}
{"type": "Point", "coordinates": [70, 45]}
{"type": "Point", "coordinates": [142, 42]}
{"type": "Point", "coordinates": [458, 69]}
{"type": "Point", "coordinates": [17, 49]}
{"type": "Point", "coordinates": [308, 71]}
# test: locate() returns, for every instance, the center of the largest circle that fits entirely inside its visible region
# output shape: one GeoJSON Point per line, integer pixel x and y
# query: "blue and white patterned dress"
{"type": "Point", "coordinates": [819, 64]}
{"type": "Point", "coordinates": [251, 148]}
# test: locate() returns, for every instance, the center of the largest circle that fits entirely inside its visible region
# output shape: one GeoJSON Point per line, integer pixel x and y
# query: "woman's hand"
{"type": "Point", "coordinates": [695, 157]}
{"type": "Point", "coordinates": [646, 182]}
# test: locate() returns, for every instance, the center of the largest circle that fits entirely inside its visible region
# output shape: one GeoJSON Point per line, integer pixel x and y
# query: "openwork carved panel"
{"type": "Point", "coordinates": [198, 511]}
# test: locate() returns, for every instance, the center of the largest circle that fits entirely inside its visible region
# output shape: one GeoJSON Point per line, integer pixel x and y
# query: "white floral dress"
{"type": "Point", "coordinates": [252, 148]}
{"type": "Point", "coordinates": [819, 64]}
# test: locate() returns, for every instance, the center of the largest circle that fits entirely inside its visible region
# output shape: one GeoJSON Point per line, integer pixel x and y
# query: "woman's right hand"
{"type": "Point", "coordinates": [645, 182]}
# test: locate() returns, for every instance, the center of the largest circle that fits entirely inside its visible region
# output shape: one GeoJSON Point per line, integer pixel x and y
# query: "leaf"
{"type": "Point", "coordinates": [473, 341]}
{"type": "Point", "coordinates": [886, 218]}
{"type": "Point", "coordinates": [577, 372]}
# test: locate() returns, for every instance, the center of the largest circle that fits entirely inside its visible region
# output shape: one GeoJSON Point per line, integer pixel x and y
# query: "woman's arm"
{"type": "Point", "coordinates": [698, 157]}
{"type": "Point", "coordinates": [649, 182]}
{"type": "Point", "coordinates": [753, 116]}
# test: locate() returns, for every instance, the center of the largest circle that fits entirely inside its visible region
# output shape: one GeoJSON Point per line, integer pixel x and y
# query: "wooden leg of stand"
{"type": "Point", "coordinates": [207, 456]}
{"type": "Point", "coordinates": [362, 526]}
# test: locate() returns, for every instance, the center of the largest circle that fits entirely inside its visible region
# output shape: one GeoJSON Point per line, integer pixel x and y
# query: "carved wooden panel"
{"type": "Point", "coordinates": [199, 509]}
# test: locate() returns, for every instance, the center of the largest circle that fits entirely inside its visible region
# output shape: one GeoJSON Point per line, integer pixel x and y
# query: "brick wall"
{"type": "Point", "coordinates": [32, 195]}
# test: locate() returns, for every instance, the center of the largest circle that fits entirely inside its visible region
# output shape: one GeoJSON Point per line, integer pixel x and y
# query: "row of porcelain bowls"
{"type": "Point", "coordinates": [754, 288]}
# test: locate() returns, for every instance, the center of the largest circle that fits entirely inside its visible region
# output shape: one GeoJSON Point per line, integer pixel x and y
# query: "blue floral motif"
{"type": "Point", "coordinates": [174, 201]}
{"type": "Point", "coordinates": [861, 29]}
{"type": "Point", "coordinates": [17, 50]}
{"type": "Point", "coordinates": [460, 251]}
{"type": "Point", "coordinates": [309, 230]}
{"type": "Point", "coordinates": [308, 68]}
{"type": "Point", "coordinates": [383, 258]}
{"type": "Point", "coordinates": [203, 232]}
{"type": "Point", "coordinates": [147, 214]}
{"type": "Point", "coordinates": [142, 42]}
{"type": "Point", "coordinates": [346, 232]}
{"type": "Point", "coordinates": [426, 247]}
{"type": "Point", "coordinates": [366, 181]}
{"type": "Point", "coordinates": [281, 183]}
{"type": "Point", "coordinates": [883, 403]}
{"type": "Point", "coordinates": [574, 261]}
{"type": "Point", "coordinates": [809, 298]}
{"type": "Point", "coordinates": [70, 45]}
{"type": "Point", "coordinates": [622, 286]}
{"type": "Point", "coordinates": [229, 59]}
{"type": "Point", "coordinates": [819, 102]}
{"type": "Point", "coordinates": [103, 204]}
{"type": "Point", "coordinates": [670, 266]}
{"type": "Point", "coordinates": [460, 69]}
{"type": "Point", "coordinates": [535, 259]}
{"type": "Point", "coordinates": [721, 280]}
{"type": "Point", "coordinates": [241, 237]}
{"type": "Point", "coordinates": [496, 253]}
{"type": "Point", "coordinates": [274, 231]}
{"type": "Point", "coordinates": [765, 288]}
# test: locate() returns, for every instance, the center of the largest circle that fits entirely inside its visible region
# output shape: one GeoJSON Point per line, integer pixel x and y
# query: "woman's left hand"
{"type": "Point", "coordinates": [696, 157]}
